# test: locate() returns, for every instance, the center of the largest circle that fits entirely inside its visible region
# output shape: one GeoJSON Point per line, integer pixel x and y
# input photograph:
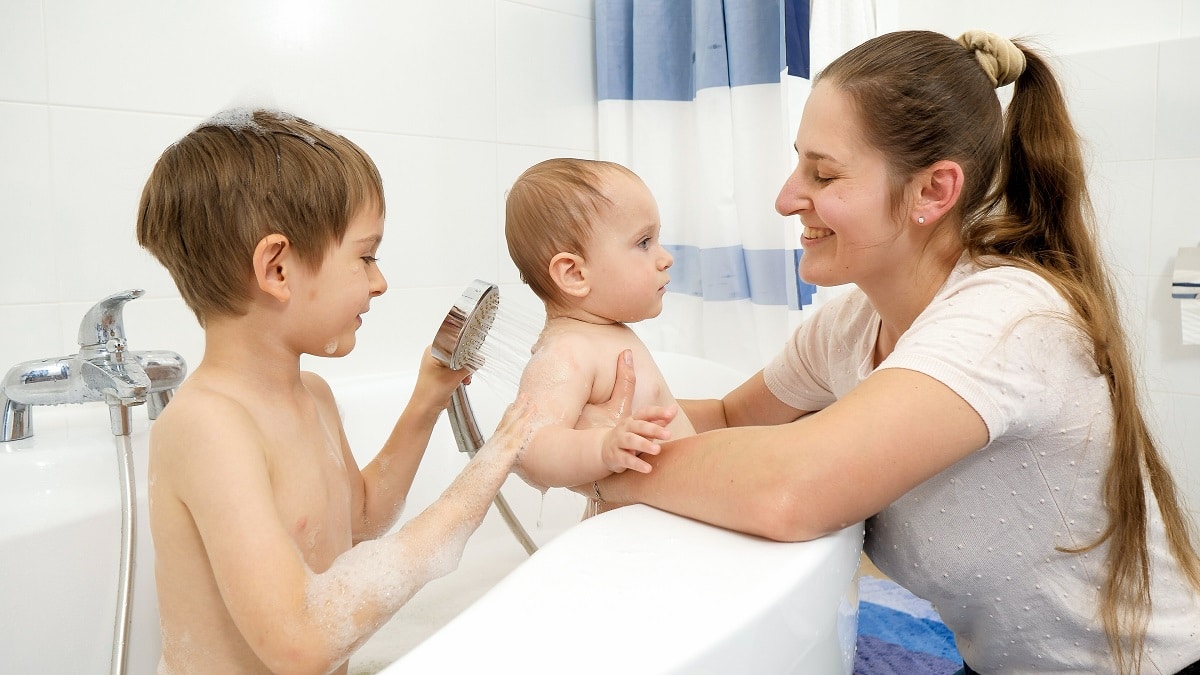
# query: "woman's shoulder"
{"type": "Point", "coordinates": [994, 279]}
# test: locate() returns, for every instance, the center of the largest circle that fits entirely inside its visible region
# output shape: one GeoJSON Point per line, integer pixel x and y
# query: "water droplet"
{"type": "Point", "coordinates": [331, 346]}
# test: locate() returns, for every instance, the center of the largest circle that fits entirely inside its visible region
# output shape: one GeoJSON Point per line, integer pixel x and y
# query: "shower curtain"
{"type": "Point", "coordinates": [701, 98]}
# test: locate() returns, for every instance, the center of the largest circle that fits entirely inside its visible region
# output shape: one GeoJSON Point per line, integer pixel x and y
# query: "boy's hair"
{"type": "Point", "coordinates": [549, 210]}
{"type": "Point", "coordinates": [237, 177]}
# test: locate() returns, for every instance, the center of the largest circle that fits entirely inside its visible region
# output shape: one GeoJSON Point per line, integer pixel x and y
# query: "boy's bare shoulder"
{"type": "Point", "coordinates": [203, 416]}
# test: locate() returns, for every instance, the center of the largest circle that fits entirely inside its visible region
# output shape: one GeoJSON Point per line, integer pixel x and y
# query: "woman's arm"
{"type": "Point", "coordinates": [817, 474]}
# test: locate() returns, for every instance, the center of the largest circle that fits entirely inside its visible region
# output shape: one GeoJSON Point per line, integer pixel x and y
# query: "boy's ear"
{"type": "Point", "coordinates": [566, 269]}
{"type": "Point", "coordinates": [273, 258]}
{"type": "Point", "coordinates": [939, 188]}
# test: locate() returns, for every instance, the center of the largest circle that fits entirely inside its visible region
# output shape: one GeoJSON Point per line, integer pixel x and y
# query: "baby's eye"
{"type": "Point", "coordinates": [644, 243]}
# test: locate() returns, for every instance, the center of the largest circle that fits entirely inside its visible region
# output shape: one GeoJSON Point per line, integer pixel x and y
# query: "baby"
{"type": "Point", "coordinates": [585, 236]}
{"type": "Point", "coordinates": [268, 539]}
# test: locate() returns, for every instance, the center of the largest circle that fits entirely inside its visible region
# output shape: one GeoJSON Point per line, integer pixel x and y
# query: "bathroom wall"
{"type": "Point", "coordinates": [1130, 77]}
{"type": "Point", "coordinates": [452, 99]}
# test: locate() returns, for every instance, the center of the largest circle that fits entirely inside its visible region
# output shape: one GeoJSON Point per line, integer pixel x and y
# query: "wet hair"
{"type": "Point", "coordinates": [922, 97]}
{"type": "Point", "coordinates": [238, 177]}
{"type": "Point", "coordinates": [549, 210]}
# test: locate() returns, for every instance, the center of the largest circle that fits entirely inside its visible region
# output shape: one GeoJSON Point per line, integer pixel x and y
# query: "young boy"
{"type": "Point", "coordinates": [584, 235]}
{"type": "Point", "coordinates": [269, 226]}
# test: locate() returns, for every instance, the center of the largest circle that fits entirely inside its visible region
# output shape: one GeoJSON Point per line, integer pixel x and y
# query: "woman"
{"type": "Point", "coordinates": [974, 397]}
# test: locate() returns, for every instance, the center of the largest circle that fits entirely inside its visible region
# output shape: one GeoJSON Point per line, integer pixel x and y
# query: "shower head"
{"type": "Point", "coordinates": [465, 328]}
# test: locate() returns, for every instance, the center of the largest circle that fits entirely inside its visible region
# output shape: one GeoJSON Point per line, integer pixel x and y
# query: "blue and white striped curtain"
{"type": "Point", "coordinates": [694, 96]}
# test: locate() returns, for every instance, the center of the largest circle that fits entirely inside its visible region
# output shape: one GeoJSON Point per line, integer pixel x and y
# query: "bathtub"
{"type": "Point", "coordinates": [635, 589]}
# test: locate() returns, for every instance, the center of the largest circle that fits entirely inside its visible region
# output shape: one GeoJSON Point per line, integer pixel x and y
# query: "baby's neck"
{"type": "Point", "coordinates": [565, 317]}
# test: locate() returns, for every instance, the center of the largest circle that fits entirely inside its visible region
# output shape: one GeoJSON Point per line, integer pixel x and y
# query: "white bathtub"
{"type": "Point", "coordinates": [682, 596]}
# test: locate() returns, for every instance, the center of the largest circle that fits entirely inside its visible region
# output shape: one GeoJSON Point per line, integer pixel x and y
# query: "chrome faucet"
{"type": "Point", "coordinates": [103, 370]}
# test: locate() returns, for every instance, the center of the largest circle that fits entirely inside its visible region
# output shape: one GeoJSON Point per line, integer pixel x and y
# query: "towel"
{"type": "Point", "coordinates": [900, 634]}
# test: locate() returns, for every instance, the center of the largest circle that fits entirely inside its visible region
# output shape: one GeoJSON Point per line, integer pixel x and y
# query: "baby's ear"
{"type": "Point", "coordinates": [273, 258]}
{"type": "Point", "coordinates": [566, 269]}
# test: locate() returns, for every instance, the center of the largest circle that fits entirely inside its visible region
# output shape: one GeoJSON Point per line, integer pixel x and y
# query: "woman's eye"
{"type": "Point", "coordinates": [821, 180]}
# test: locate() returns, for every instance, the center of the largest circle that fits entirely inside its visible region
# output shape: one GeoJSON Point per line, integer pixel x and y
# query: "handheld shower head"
{"type": "Point", "coordinates": [458, 344]}
{"type": "Point", "coordinates": [465, 328]}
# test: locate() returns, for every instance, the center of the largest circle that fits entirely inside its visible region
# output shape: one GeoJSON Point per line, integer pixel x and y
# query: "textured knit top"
{"type": "Point", "coordinates": [979, 539]}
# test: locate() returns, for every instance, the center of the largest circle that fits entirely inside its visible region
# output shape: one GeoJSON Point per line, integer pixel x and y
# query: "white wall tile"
{"type": "Point", "coordinates": [534, 47]}
{"type": "Point", "coordinates": [412, 67]}
{"type": "Point", "coordinates": [441, 220]}
{"type": "Point", "coordinates": [1066, 26]}
{"type": "Point", "coordinates": [1178, 434]}
{"type": "Point", "coordinates": [1174, 223]}
{"type": "Point", "coordinates": [100, 160]}
{"type": "Point", "coordinates": [22, 51]}
{"type": "Point", "coordinates": [583, 8]}
{"type": "Point", "coordinates": [29, 259]}
{"type": "Point", "coordinates": [1189, 21]}
{"type": "Point", "coordinates": [1178, 100]}
{"type": "Point", "coordinates": [1111, 95]}
{"type": "Point", "coordinates": [30, 332]}
{"type": "Point", "coordinates": [1123, 214]}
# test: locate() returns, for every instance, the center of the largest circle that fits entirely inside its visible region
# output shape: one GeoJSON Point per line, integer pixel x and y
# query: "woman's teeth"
{"type": "Point", "coordinates": [816, 232]}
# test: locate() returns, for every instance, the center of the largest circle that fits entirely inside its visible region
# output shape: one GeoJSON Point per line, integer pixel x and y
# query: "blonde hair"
{"type": "Point", "coordinates": [237, 177]}
{"type": "Point", "coordinates": [549, 210]}
{"type": "Point", "coordinates": [1025, 203]}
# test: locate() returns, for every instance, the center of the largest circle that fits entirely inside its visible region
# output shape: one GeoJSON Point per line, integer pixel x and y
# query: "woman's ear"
{"type": "Point", "coordinates": [939, 188]}
{"type": "Point", "coordinates": [566, 269]}
{"type": "Point", "coordinates": [273, 258]}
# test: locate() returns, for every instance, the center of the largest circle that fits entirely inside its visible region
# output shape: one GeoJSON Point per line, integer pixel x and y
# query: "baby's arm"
{"type": "Point", "coordinates": [381, 488]}
{"type": "Point", "coordinates": [562, 455]}
{"type": "Point", "coordinates": [296, 620]}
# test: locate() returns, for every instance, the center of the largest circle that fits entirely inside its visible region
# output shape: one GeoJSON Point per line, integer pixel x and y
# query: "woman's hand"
{"type": "Point", "coordinates": [610, 412]}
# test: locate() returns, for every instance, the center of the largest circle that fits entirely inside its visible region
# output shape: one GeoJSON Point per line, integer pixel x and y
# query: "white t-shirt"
{"type": "Point", "coordinates": [979, 539]}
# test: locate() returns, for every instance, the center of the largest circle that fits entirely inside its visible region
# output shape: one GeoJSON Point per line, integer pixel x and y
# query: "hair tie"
{"type": "Point", "coordinates": [1002, 60]}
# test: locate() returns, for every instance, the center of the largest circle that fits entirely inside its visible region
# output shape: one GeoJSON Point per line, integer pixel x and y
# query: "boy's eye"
{"type": "Point", "coordinates": [644, 243]}
{"type": "Point", "coordinates": [370, 259]}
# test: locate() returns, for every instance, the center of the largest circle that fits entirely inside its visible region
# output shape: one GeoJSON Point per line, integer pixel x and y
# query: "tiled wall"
{"type": "Point", "coordinates": [1134, 91]}
{"type": "Point", "coordinates": [452, 99]}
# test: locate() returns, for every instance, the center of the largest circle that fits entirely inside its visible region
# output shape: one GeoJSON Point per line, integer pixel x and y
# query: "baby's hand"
{"type": "Point", "coordinates": [635, 435]}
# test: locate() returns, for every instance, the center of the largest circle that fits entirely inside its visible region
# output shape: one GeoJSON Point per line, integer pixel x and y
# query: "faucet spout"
{"type": "Point", "coordinates": [103, 370]}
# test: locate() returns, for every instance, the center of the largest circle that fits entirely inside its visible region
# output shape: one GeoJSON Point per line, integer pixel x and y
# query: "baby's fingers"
{"type": "Point", "coordinates": [629, 460]}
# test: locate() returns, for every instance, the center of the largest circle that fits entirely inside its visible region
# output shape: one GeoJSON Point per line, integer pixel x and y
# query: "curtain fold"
{"type": "Point", "coordinates": [696, 97]}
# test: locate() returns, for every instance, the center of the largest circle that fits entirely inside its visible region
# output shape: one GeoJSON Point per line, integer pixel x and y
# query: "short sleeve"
{"type": "Point", "coordinates": [1003, 339]}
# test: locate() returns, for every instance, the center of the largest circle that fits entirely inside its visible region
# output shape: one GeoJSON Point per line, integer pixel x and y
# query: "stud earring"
{"type": "Point", "coordinates": [921, 220]}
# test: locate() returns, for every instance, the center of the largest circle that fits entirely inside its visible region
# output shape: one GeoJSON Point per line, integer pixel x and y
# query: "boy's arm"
{"type": "Point", "coordinates": [381, 487]}
{"type": "Point", "coordinates": [561, 455]}
{"type": "Point", "coordinates": [294, 619]}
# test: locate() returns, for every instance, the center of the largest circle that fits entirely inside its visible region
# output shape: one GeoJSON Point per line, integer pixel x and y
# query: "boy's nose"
{"type": "Point", "coordinates": [667, 260]}
{"type": "Point", "coordinates": [379, 283]}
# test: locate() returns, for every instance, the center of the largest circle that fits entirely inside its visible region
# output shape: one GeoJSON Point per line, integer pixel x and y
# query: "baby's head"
{"type": "Point", "coordinates": [551, 209]}
{"type": "Point", "coordinates": [238, 177]}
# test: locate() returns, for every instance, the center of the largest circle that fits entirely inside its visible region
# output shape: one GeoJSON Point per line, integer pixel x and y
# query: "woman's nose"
{"type": "Point", "coordinates": [792, 198]}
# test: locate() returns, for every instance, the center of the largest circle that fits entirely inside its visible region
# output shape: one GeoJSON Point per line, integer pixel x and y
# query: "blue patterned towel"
{"type": "Point", "coordinates": [900, 634]}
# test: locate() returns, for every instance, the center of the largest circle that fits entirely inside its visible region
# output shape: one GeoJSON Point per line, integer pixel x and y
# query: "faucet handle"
{"type": "Point", "coordinates": [104, 322]}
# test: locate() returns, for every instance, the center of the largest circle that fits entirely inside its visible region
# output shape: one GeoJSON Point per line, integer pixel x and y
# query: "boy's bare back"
{"type": "Point", "coordinates": [235, 466]}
